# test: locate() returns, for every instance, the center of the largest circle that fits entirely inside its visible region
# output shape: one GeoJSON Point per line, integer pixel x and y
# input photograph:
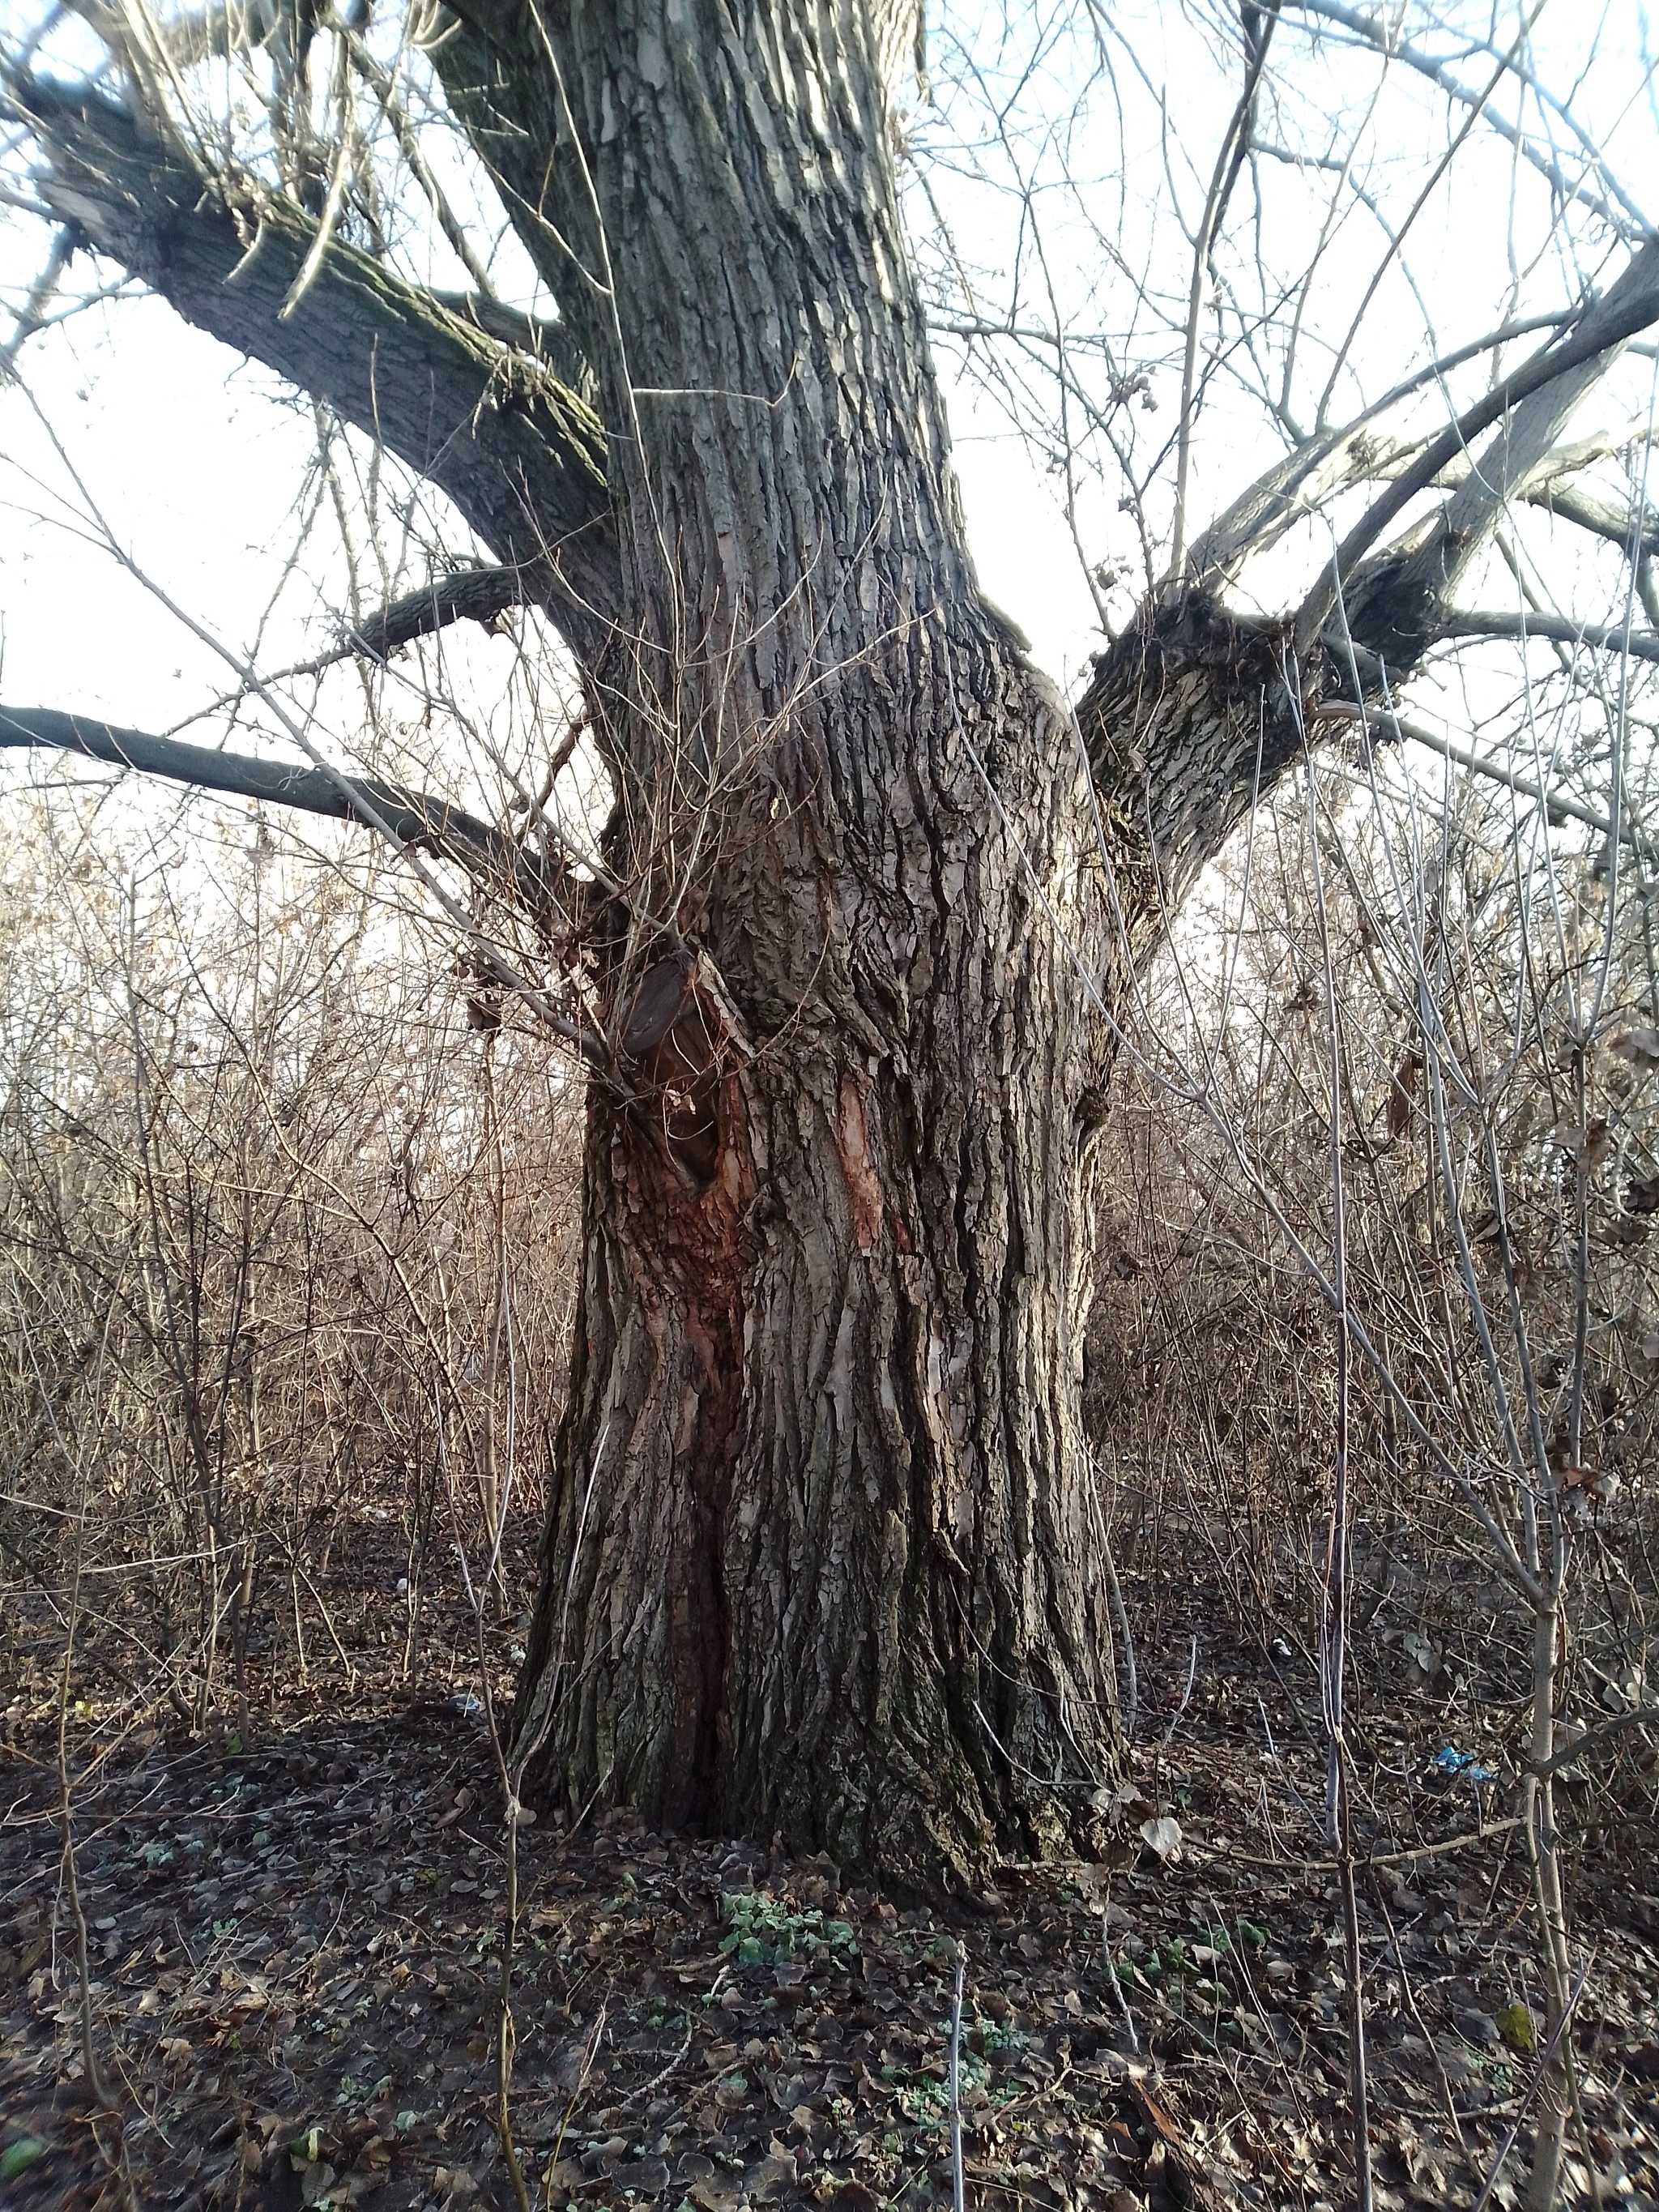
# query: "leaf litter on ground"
{"type": "Point", "coordinates": [294, 1953]}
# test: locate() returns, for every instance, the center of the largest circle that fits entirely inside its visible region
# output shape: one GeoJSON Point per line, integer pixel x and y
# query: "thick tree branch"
{"type": "Point", "coordinates": [1189, 722]}
{"type": "Point", "coordinates": [412, 817]}
{"type": "Point", "coordinates": [409, 819]}
{"type": "Point", "coordinates": [1393, 608]}
{"type": "Point", "coordinates": [549, 342]}
{"type": "Point", "coordinates": [522, 456]}
{"type": "Point", "coordinates": [1186, 722]}
{"type": "Point", "coordinates": [478, 595]}
{"type": "Point", "coordinates": [1555, 629]}
{"type": "Point", "coordinates": [1304, 480]}
{"type": "Point", "coordinates": [1616, 524]}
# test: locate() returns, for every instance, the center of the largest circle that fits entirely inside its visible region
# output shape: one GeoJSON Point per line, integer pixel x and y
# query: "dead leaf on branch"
{"type": "Point", "coordinates": [1402, 1091]}
{"type": "Point", "coordinates": [1640, 1046]}
{"type": "Point", "coordinates": [1588, 1147]}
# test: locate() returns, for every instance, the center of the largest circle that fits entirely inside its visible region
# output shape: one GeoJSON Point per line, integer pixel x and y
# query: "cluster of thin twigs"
{"type": "Point", "coordinates": [280, 1227]}
{"type": "Point", "coordinates": [1384, 1335]}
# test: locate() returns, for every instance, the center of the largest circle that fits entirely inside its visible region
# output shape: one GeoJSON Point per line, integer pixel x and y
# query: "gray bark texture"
{"type": "Point", "coordinates": [822, 1561]}
{"type": "Point", "coordinates": [824, 1556]}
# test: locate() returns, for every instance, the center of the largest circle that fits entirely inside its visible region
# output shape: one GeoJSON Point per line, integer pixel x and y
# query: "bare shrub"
{"type": "Point", "coordinates": [285, 1224]}
{"type": "Point", "coordinates": [1209, 1364]}
{"type": "Point", "coordinates": [1496, 1035]}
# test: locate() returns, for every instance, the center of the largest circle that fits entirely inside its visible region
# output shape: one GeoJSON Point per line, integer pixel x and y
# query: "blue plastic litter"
{"type": "Point", "coordinates": [1462, 1763]}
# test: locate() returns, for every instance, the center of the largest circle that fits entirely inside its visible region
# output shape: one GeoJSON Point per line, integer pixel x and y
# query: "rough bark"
{"type": "Point", "coordinates": [822, 1559]}
{"type": "Point", "coordinates": [1189, 721]}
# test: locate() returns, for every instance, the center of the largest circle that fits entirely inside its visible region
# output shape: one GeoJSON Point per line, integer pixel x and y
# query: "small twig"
{"type": "Point", "coordinates": [1640, 1717]}
{"type": "Point", "coordinates": [121, 2163]}
{"type": "Point", "coordinates": [1185, 1695]}
{"type": "Point", "coordinates": [516, 1814]}
{"type": "Point", "coordinates": [1190, 2179]}
{"type": "Point", "coordinates": [1410, 1998]}
{"type": "Point", "coordinates": [650, 2088]}
{"type": "Point", "coordinates": [328, 1623]}
{"type": "Point", "coordinates": [1333, 1624]}
{"type": "Point", "coordinates": [1378, 1859]}
{"type": "Point", "coordinates": [77, 1914]}
{"type": "Point", "coordinates": [1229, 161]}
{"type": "Point", "coordinates": [1130, 1712]}
{"type": "Point", "coordinates": [959, 2197]}
{"type": "Point", "coordinates": [1302, 1805]}
{"type": "Point", "coordinates": [33, 313]}
{"type": "Point", "coordinates": [588, 2058]}
{"type": "Point", "coordinates": [1118, 1989]}
{"type": "Point", "coordinates": [328, 222]}
{"type": "Point", "coordinates": [1383, 723]}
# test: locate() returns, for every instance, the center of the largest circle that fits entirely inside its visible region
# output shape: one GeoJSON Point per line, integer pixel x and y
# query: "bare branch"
{"type": "Point", "coordinates": [1557, 630]}
{"type": "Point", "coordinates": [521, 455]}
{"type": "Point", "coordinates": [411, 818]}
{"type": "Point", "coordinates": [1617, 525]}
{"type": "Point", "coordinates": [1383, 725]}
{"type": "Point", "coordinates": [1229, 162]}
{"type": "Point", "coordinates": [1393, 611]}
{"type": "Point", "coordinates": [479, 595]}
{"type": "Point", "coordinates": [1614, 204]}
{"type": "Point", "coordinates": [1305, 478]}
{"type": "Point", "coordinates": [34, 315]}
{"type": "Point", "coordinates": [1592, 1739]}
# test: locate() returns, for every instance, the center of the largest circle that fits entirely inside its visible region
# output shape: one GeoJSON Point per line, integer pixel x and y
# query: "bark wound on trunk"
{"type": "Point", "coordinates": [630, 1647]}
{"type": "Point", "coordinates": [822, 1561]}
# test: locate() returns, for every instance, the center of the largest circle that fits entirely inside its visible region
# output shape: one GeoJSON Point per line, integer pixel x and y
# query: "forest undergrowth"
{"type": "Point", "coordinates": [293, 1939]}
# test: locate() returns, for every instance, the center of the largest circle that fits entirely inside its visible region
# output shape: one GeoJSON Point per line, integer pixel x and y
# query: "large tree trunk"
{"type": "Point", "coordinates": [823, 1557]}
